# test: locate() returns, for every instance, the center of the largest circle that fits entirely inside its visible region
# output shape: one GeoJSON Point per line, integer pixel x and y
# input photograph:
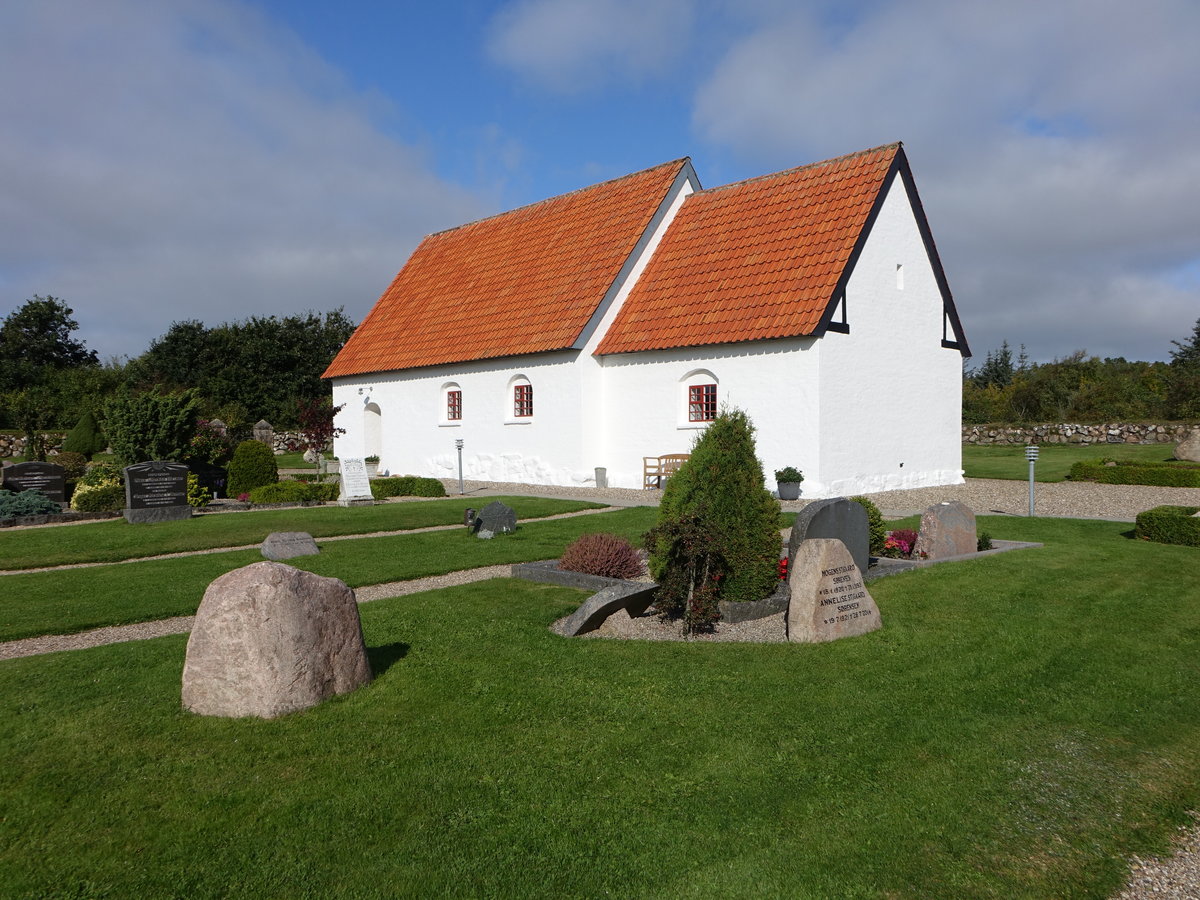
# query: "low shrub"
{"type": "Point", "coordinates": [983, 542]}
{"type": "Point", "coordinates": [197, 496]}
{"type": "Point", "coordinates": [325, 491]}
{"type": "Point", "coordinates": [26, 503]}
{"type": "Point", "coordinates": [900, 543]}
{"type": "Point", "coordinates": [101, 473]}
{"type": "Point", "coordinates": [74, 464]}
{"type": "Point", "coordinates": [1163, 474]}
{"type": "Point", "coordinates": [406, 486]}
{"type": "Point", "coordinates": [875, 527]}
{"type": "Point", "coordinates": [99, 497]}
{"type": "Point", "coordinates": [1169, 525]}
{"type": "Point", "coordinates": [294, 492]}
{"type": "Point", "coordinates": [603, 554]}
{"type": "Point", "coordinates": [253, 466]}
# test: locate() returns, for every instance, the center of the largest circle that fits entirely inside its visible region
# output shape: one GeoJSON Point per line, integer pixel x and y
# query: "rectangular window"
{"type": "Point", "coordinates": [453, 405]}
{"type": "Point", "coordinates": [523, 401]}
{"type": "Point", "coordinates": [702, 402]}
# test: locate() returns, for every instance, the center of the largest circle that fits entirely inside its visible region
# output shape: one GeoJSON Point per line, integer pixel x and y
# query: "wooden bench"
{"type": "Point", "coordinates": [657, 469]}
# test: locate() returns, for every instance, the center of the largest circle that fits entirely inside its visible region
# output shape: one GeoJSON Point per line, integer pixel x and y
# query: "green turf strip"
{"type": "Point", "coordinates": [1019, 726]}
{"type": "Point", "coordinates": [73, 600]}
{"type": "Point", "coordinates": [1054, 460]}
{"type": "Point", "coordinates": [114, 540]}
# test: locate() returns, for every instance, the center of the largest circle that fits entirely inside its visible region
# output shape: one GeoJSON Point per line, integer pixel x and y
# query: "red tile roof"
{"type": "Point", "coordinates": [753, 260]}
{"type": "Point", "coordinates": [520, 282]}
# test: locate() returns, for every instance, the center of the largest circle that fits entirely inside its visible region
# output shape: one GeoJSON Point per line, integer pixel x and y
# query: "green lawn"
{"type": "Point", "coordinates": [1054, 460]}
{"type": "Point", "coordinates": [73, 600]}
{"type": "Point", "coordinates": [116, 539]}
{"type": "Point", "coordinates": [1019, 726]}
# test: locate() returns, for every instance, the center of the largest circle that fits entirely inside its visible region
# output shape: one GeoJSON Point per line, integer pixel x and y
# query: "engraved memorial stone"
{"type": "Point", "coordinates": [496, 518]}
{"type": "Point", "coordinates": [356, 486]}
{"type": "Point", "coordinates": [286, 544]}
{"type": "Point", "coordinates": [156, 492]}
{"type": "Point", "coordinates": [48, 478]}
{"type": "Point", "coordinates": [829, 600]}
{"type": "Point", "coordinates": [947, 529]}
{"type": "Point", "coordinates": [837, 518]}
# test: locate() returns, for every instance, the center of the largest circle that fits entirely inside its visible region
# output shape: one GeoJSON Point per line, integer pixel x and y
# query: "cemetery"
{"type": "Point", "coordinates": [855, 733]}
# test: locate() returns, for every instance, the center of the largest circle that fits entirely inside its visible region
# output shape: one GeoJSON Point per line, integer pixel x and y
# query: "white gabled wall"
{"type": "Point", "coordinates": [891, 395]}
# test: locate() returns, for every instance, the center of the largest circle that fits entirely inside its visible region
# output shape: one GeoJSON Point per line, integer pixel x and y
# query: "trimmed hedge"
{"type": "Point", "coordinates": [294, 492]}
{"type": "Point", "coordinates": [406, 486]}
{"type": "Point", "coordinates": [1169, 525]}
{"type": "Point", "coordinates": [253, 466]}
{"type": "Point", "coordinates": [1155, 474]}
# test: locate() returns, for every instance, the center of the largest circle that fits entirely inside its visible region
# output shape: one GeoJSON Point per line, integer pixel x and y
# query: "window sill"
{"type": "Point", "coordinates": [692, 426]}
{"type": "Point", "coordinates": [450, 424]}
{"type": "Point", "coordinates": [526, 421]}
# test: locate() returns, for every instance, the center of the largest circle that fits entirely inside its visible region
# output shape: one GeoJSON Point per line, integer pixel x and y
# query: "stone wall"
{"type": "Point", "coordinates": [1114, 433]}
{"type": "Point", "coordinates": [14, 444]}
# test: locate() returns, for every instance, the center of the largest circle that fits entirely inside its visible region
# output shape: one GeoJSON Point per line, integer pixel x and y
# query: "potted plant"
{"type": "Point", "coordinates": [789, 479]}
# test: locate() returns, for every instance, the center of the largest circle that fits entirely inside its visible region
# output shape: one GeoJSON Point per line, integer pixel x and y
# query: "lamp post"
{"type": "Point", "coordinates": [1031, 454]}
{"type": "Point", "coordinates": [459, 445]}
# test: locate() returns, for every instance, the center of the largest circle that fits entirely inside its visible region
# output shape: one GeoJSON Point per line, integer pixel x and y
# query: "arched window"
{"type": "Point", "coordinates": [452, 403]}
{"type": "Point", "coordinates": [699, 398]}
{"type": "Point", "coordinates": [521, 399]}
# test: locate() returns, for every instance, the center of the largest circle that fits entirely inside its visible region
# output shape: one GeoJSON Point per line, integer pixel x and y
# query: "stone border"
{"type": "Point", "coordinates": [547, 571]}
{"type": "Point", "coordinates": [884, 566]}
{"type": "Point", "coordinates": [56, 518]}
{"type": "Point", "coordinates": [749, 610]}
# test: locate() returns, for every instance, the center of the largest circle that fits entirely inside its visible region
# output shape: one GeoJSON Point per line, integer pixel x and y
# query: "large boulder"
{"type": "Point", "coordinates": [1189, 447]}
{"type": "Point", "coordinates": [947, 529]}
{"type": "Point", "coordinates": [270, 639]}
{"type": "Point", "coordinates": [828, 598]}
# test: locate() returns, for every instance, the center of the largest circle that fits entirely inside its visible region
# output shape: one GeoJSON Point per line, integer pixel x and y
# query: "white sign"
{"type": "Point", "coordinates": [356, 487]}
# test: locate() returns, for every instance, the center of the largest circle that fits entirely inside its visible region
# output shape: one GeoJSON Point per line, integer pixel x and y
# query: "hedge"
{"type": "Point", "coordinates": [406, 486]}
{"type": "Point", "coordinates": [1170, 525]}
{"type": "Point", "coordinates": [294, 492]}
{"type": "Point", "coordinates": [1156, 474]}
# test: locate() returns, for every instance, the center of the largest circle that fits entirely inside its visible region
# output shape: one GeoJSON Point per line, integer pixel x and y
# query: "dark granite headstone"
{"type": "Point", "coordinates": [496, 518]}
{"type": "Point", "coordinates": [836, 518]}
{"type": "Point", "coordinates": [48, 478]}
{"type": "Point", "coordinates": [287, 544]}
{"type": "Point", "coordinates": [156, 492]}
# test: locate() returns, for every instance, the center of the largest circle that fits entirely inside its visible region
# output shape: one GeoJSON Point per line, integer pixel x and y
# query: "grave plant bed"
{"type": "Point", "coordinates": [57, 518]}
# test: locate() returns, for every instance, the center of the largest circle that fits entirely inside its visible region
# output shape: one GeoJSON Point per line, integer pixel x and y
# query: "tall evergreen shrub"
{"type": "Point", "coordinates": [253, 466]}
{"type": "Point", "coordinates": [86, 437]}
{"type": "Point", "coordinates": [151, 426]}
{"type": "Point", "coordinates": [717, 536]}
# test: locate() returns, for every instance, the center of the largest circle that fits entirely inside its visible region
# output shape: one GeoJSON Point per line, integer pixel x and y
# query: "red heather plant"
{"type": "Point", "coordinates": [900, 543]}
{"type": "Point", "coordinates": [602, 554]}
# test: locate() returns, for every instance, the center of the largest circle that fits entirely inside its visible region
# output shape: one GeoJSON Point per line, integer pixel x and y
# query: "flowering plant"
{"type": "Point", "coordinates": [783, 569]}
{"type": "Point", "coordinates": [900, 543]}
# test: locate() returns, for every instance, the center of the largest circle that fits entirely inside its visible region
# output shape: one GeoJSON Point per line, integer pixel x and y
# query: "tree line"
{"type": "Point", "coordinates": [264, 367]}
{"type": "Point", "coordinates": [1083, 388]}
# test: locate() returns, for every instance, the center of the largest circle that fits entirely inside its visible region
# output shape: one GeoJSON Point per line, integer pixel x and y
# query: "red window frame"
{"type": "Point", "coordinates": [523, 401]}
{"type": "Point", "coordinates": [453, 405]}
{"type": "Point", "coordinates": [702, 402]}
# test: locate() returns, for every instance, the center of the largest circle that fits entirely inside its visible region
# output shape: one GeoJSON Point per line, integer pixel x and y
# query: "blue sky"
{"type": "Point", "coordinates": [214, 159]}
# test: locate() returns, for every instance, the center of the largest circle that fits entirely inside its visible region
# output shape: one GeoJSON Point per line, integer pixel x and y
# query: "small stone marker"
{"type": "Point", "coordinates": [837, 518]}
{"type": "Point", "coordinates": [1189, 448]}
{"type": "Point", "coordinates": [156, 492]}
{"type": "Point", "coordinates": [270, 639]}
{"type": "Point", "coordinates": [49, 478]}
{"type": "Point", "coordinates": [635, 599]}
{"type": "Point", "coordinates": [947, 529]}
{"type": "Point", "coordinates": [286, 544]}
{"type": "Point", "coordinates": [496, 518]}
{"type": "Point", "coordinates": [356, 486]}
{"type": "Point", "coordinates": [829, 600]}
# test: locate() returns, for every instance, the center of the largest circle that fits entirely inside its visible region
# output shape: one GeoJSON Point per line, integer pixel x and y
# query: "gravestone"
{"type": "Point", "coordinates": [219, 427]}
{"type": "Point", "coordinates": [156, 492]}
{"type": "Point", "coordinates": [286, 544]}
{"type": "Point", "coordinates": [265, 433]}
{"type": "Point", "coordinates": [947, 529]}
{"type": "Point", "coordinates": [836, 518]}
{"type": "Point", "coordinates": [49, 478]}
{"type": "Point", "coordinates": [1189, 448]}
{"type": "Point", "coordinates": [495, 518]}
{"type": "Point", "coordinates": [270, 639]}
{"type": "Point", "coordinates": [829, 600]}
{"type": "Point", "coordinates": [356, 486]}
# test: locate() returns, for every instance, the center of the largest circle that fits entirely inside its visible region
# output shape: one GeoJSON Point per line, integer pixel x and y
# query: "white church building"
{"type": "Point", "coordinates": [594, 329]}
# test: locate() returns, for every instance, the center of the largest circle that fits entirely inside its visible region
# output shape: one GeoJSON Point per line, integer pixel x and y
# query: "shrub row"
{"type": "Point", "coordinates": [406, 486]}
{"type": "Point", "coordinates": [1156, 474]}
{"type": "Point", "coordinates": [1170, 525]}
{"type": "Point", "coordinates": [294, 492]}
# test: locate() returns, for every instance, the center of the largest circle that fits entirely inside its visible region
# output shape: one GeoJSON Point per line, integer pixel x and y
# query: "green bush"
{"type": "Point", "coordinates": [718, 526]}
{"type": "Point", "coordinates": [151, 426]}
{"type": "Point", "coordinates": [1169, 525]}
{"type": "Point", "coordinates": [789, 475]}
{"type": "Point", "coordinates": [326, 491]}
{"type": "Point", "coordinates": [406, 486]}
{"type": "Point", "coordinates": [875, 527]}
{"type": "Point", "coordinates": [197, 497]}
{"type": "Point", "coordinates": [294, 492]}
{"type": "Point", "coordinates": [73, 464]}
{"type": "Point", "coordinates": [99, 497]}
{"type": "Point", "coordinates": [26, 503]}
{"type": "Point", "coordinates": [86, 437]}
{"type": "Point", "coordinates": [604, 554]}
{"type": "Point", "coordinates": [100, 473]}
{"type": "Point", "coordinates": [1162, 474]}
{"type": "Point", "coordinates": [253, 466]}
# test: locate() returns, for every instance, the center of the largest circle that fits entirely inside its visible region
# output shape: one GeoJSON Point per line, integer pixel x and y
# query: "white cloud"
{"type": "Point", "coordinates": [1052, 144]}
{"type": "Point", "coordinates": [184, 160]}
{"type": "Point", "coordinates": [569, 45]}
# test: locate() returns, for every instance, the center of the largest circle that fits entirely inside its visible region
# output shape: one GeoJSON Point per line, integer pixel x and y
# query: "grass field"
{"type": "Point", "coordinates": [1019, 726]}
{"type": "Point", "coordinates": [1054, 460]}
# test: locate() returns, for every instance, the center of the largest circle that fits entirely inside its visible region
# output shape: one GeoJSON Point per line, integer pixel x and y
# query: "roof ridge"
{"type": "Point", "coordinates": [587, 187]}
{"type": "Point", "coordinates": [825, 162]}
